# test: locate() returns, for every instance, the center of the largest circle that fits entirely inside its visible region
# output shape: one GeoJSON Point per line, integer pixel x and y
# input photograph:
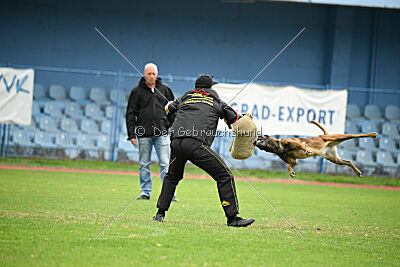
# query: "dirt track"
{"type": "Point", "coordinates": [282, 181]}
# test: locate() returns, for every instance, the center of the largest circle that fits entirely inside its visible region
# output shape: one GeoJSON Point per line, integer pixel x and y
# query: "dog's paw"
{"type": "Point", "coordinates": [293, 175]}
{"type": "Point", "coordinates": [309, 152]}
{"type": "Point", "coordinates": [359, 174]}
{"type": "Point", "coordinates": [374, 134]}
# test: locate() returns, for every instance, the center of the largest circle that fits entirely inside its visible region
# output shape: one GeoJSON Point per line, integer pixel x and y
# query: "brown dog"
{"type": "Point", "coordinates": [290, 149]}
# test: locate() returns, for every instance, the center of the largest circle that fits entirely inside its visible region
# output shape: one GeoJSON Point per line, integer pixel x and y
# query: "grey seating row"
{"type": "Point", "coordinates": [374, 113]}
{"type": "Point", "coordinates": [68, 125]}
{"type": "Point", "coordinates": [73, 110]}
{"type": "Point", "coordinates": [78, 94]}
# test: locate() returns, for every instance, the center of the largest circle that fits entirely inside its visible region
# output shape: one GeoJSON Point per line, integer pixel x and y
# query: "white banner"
{"type": "Point", "coordinates": [287, 110]}
{"type": "Point", "coordinates": [16, 95]}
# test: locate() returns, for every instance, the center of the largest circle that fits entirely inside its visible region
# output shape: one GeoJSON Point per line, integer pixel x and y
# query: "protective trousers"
{"type": "Point", "coordinates": [186, 148]}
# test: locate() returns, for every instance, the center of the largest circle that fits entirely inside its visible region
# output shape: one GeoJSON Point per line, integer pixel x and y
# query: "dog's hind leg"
{"type": "Point", "coordinates": [334, 157]}
{"type": "Point", "coordinates": [344, 137]}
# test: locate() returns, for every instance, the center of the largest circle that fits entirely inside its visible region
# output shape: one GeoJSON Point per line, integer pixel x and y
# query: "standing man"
{"type": "Point", "coordinates": [147, 124]}
{"type": "Point", "coordinates": [197, 115]}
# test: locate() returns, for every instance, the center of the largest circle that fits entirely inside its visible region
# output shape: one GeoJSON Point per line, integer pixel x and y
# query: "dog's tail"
{"type": "Point", "coordinates": [321, 127]}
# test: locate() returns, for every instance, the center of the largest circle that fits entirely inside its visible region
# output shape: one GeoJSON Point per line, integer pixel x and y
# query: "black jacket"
{"type": "Point", "coordinates": [145, 114]}
{"type": "Point", "coordinates": [197, 115]}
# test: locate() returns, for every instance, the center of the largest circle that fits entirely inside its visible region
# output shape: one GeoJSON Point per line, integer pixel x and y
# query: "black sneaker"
{"type": "Point", "coordinates": [174, 199]}
{"type": "Point", "coordinates": [144, 197]}
{"type": "Point", "coordinates": [158, 218]}
{"type": "Point", "coordinates": [240, 222]}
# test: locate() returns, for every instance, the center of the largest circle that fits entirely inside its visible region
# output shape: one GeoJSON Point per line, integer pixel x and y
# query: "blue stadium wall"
{"type": "Point", "coordinates": [342, 46]}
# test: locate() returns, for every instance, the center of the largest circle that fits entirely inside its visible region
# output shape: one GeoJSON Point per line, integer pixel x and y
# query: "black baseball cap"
{"type": "Point", "coordinates": [205, 81]}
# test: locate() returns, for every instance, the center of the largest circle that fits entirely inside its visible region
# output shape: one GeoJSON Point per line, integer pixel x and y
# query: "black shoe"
{"type": "Point", "coordinates": [158, 218]}
{"type": "Point", "coordinates": [174, 199]}
{"type": "Point", "coordinates": [144, 197]}
{"type": "Point", "coordinates": [240, 222]}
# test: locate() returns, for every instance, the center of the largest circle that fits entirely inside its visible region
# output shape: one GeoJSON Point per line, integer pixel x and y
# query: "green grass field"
{"type": "Point", "coordinates": [51, 218]}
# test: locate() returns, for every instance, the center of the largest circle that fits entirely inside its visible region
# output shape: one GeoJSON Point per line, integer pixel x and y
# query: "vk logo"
{"type": "Point", "coordinates": [18, 83]}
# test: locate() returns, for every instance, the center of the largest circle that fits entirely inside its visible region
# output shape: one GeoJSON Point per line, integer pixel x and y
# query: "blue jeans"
{"type": "Point", "coordinates": [161, 144]}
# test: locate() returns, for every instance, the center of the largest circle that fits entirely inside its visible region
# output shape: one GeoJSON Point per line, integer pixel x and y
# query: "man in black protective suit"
{"type": "Point", "coordinates": [192, 133]}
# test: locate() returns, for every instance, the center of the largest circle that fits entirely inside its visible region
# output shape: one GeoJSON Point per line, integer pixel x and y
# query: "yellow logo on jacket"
{"type": "Point", "coordinates": [225, 203]}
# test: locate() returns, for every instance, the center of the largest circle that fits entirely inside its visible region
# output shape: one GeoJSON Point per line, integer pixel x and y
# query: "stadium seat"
{"type": "Point", "coordinates": [39, 92]}
{"type": "Point", "coordinates": [93, 111]}
{"type": "Point", "coordinates": [353, 112]}
{"type": "Point", "coordinates": [385, 159]}
{"type": "Point", "coordinates": [48, 124]}
{"type": "Point", "coordinates": [387, 144]}
{"type": "Point", "coordinates": [72, 153]}
{"type": "Point", "coordinates": [125, 145]}
{"type": "Point", "coordinates": [52, 109]}
{"type": "Point", "coordinates": [86, 141]}
{"type": "Point", "coordinates": [350, 144]}
{"type": "Point", "coordinates": [65, 141]}
{"type": "Point", "coordinates": [308, 165]}
{"type": "Point", "coordinates": [68, 125]}
{"type": "Point", "coordinates": [268, 157]}
{"type": "Point", "coordinates": [57, 92]}
{"type": "Point", "coordinates": [392, 113]}
{"type": "Point", "coordinates": [32, 127]}
{"type": "Point", "coordinates": [88, 144]}
{"type": "Point", "coordinates": [89, 126]}
{"type": "Point", "coordinates": [110, 112]}
{"type": "Point", "coordinates": [133, 156]}
{"type": "Point", "coordinates": [368, 126]}
{"type": "Point", "coordinates": [390, 130]}
{"type": "Point", "coordinates": [366, 143]}
{"type": "Point", "coordinates": [106, 127]}
{"type": "Point", "coordinates": [36, 109]}
{"type": "Point", "coordinates": [73, 110]}
{"type": "Point", "coordinates": [351, 127]}
{"type": "Point", "coordinates": [98, 95]}
{"type": "Point", "coordinates": [226, 141]}
{"type": "Point", "coordinates": [365, 158]}
{"type": "Point", "coordinates": [124, 131]}
{"type": "Point", "coordinates": [78, 94]}
{"type": "Point", "coordinates": [254, 163]}
{"type": "Point", "coordinates": [103, 142]}
{"type": "Point", "coordinates": [22, 138]}
{"type": "Point", "coordinates": [104, 147]}
{"type": "Point", "coordinates": [373, 112]}
{"type": "Point", "coordinates": [45, 140]}
{"type": "Point", "coordinates": [347, 154]}
{"type": "Point", "coordinates": [114, 97]}
{"type": "Point", "coordinates": [93, 154]}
